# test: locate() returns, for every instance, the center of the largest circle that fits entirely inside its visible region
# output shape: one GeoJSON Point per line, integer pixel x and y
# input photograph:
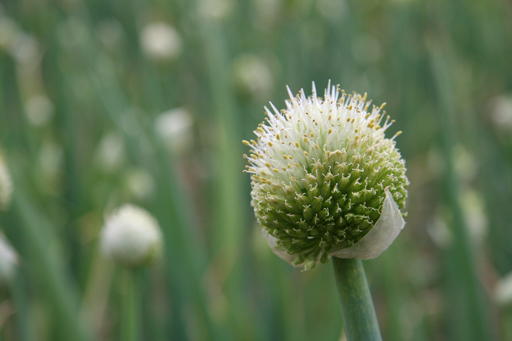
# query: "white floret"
{"type": "Point", "coordinates": [131, 236]}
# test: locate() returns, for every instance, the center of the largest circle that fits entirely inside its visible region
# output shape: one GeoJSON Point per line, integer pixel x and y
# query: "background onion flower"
{"type": "Point", "coordinates": [131, 236]}
{"type": "Point", "coordinates": [325, 179]}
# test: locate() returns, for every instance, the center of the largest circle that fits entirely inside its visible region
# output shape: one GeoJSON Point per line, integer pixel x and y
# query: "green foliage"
{"type": "Point", "coordinates": [82, 96]}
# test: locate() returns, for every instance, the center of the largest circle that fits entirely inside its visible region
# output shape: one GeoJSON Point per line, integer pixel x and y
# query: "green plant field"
{"type": "Point", "coordinates": [106, 102]}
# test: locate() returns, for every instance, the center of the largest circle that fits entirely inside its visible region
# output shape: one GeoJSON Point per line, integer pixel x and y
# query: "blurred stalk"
{"type": "Point", "coordinates": [22, 308]}
{"type": "Point", "coordinates": [47, 262]}
{"type": "Point", "coordinates": [129, 307]}
{"type": "Point", "coordinates": [359, 318]}
{"type": "Point", "coordinates": [394, 293]}
{"type": "Point", "coordinates": [228, 227]}
{"type": "Point", "coordinates": [97, 288]}
{"type": "Point", "coordinates": [473, 308]}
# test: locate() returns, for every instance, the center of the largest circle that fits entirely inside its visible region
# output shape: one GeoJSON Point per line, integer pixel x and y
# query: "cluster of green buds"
{"type": "Point", "coordinates": [325, 179]}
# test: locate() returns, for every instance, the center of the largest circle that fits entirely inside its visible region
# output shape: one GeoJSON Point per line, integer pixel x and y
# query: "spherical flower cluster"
{"type": "Point", "coordinates": [131, 236]}
{"type": "Point", "coordinates": [5, 185]}
{"type": "Point", "coordinates": [325, 180]}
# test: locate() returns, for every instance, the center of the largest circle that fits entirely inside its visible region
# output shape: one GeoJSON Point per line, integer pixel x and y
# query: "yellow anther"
{"type": "Point", "coordinates": [246, 143]}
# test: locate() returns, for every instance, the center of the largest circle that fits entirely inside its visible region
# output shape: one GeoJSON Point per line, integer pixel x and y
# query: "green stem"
{"type": "Point", "coordinates": [359, 319]}
{"type": "Point", "coordinates": [43, 255]}
{"type": "Point", "coordinates": [19, 295]}
{"type": "Point", "coordinates": [473, 311]}
{"type": "Point", "coordinates": [130, 321]}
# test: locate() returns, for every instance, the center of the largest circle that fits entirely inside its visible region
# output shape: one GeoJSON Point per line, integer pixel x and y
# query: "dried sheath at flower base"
{"type": "Point", "coordinates": [325, 179]}
{"type": "Point", "coordinates": [131, 237]}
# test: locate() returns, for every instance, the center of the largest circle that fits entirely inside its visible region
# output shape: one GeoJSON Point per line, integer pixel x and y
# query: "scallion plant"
{"type": "Point", "coordinates": [326, 182]}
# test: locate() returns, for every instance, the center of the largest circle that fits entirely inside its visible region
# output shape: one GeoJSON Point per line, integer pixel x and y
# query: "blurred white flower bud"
{"type": "Point", "coordinates": [253, 75]}
{"type": "Point", "coordinates": [332, 9]}
{"type": "Point", "coordinates": [25, 49]}
{"type": "Point", "coordinates": [473, 206]}
{"type": "Point", "coordinates": [501, 112]}
{"type": "Point", "coordinates": [110, 152]}
{"type": "Point", "coordinates": [174, 127]}
{"type": "Point", "coordinates": [8, 261]}
{"type": "Point", "coordinates": [38, 109]}
{"type": "Point", "coordinates": [503, 290]}
{"type": "Point", "coordinates": [131, 236]}
{"type": "Point", "coordinates": [216, 9]}
{"type": "Point", "coordinates": [8, 32]}
{"type": "Point", "coordinates": [5, 184]}
{"type": "Point", "coordinates": [438, 230]}
{"type": "Point", "coordinates": [161, 41]}
{"type": "Point", "coordinates": [49, 161]}
{"type": "Point", "coordinates": [140, 183]}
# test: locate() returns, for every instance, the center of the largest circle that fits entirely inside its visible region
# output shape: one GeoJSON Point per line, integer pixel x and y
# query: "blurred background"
{"type": "Point", "coordinates": [147, 102]}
